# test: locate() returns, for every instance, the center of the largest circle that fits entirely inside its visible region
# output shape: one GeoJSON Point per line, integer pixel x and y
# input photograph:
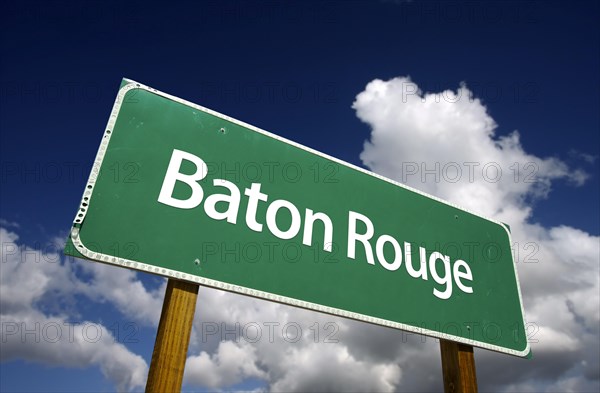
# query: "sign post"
{"type": "Point", "coordinates": [172, 337]}
{"type": "Point", "coordinates": [196, 196]}
{"type": "Point", "coordinates": [458, 367]}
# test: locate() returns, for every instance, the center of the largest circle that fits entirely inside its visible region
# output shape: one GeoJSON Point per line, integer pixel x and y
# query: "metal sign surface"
{"type": "Point", "coordinates": [205, 198]}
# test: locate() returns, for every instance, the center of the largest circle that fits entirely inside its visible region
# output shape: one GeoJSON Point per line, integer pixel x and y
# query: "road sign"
{"type": "Point", "coordinates": [184, 192]}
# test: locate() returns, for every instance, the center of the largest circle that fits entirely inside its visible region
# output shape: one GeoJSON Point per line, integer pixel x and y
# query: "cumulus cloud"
{"type": "Point", "coordinates": [446, 144]}
{"type": "Point", "coordinates": [332, 368]}
{"type": "Point", "coordinates": [232, 362]}
{"type": "Point", "coordinates": [123, 289]}
{"type": "Point", "coordinates": [289, 349]}
{"type": "Point", "coordinates": [586, 157]}
{"type": "Point", "coordinates": [54, 341]}
{"type": "Point", "coordinates": [37, 289]}
{"type": "Point", "coordinates": [9, 224]}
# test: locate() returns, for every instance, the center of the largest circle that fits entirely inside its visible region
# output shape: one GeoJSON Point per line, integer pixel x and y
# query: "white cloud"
{"type": "Point", "coordinates": [36, 289]}
{"type": "Point", "coordinates": [8, 224]}
{"type": "Point", "coordinates": [586, 157]}
{"type": "Point", "coordinates": [317, 367]}
{"type": "Point", "coordinates": [54, 341]}
{"type": "Point", "coordinates": [231, 363]}
{"type": "Point", "coordinates": [445, 144]}
{"type": "Point", "coordinates": [290, 349]}
{"type": "Point", "coordinates": [415, 132]}
{"type": "Point", "coordinates": [124, 290]}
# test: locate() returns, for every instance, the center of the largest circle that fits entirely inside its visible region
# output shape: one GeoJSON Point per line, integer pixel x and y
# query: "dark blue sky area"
{"type": "Point", "coordinates": [291, 68]}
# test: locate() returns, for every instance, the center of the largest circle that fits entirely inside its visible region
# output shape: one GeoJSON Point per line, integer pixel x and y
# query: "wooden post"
{"type": "Point", "coordinates": [458, 367]}
{"type": "Point", "coordinates": [173, 337]}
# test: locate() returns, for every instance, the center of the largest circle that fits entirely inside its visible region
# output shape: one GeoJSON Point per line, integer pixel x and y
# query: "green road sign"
{"type": "Point", "coordinates": [181, 191]}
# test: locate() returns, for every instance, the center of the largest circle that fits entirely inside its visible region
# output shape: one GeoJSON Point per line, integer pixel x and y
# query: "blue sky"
{"type": "Point", "coordinates": [295, 69]}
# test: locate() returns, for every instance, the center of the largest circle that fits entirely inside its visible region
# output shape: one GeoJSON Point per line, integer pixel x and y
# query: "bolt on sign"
{"type": "Point", "coordinates": [184, 192]}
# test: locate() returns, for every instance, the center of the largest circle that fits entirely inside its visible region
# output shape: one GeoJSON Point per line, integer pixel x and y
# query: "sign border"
{"type": "Point", "coordinates": [136, 265]}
